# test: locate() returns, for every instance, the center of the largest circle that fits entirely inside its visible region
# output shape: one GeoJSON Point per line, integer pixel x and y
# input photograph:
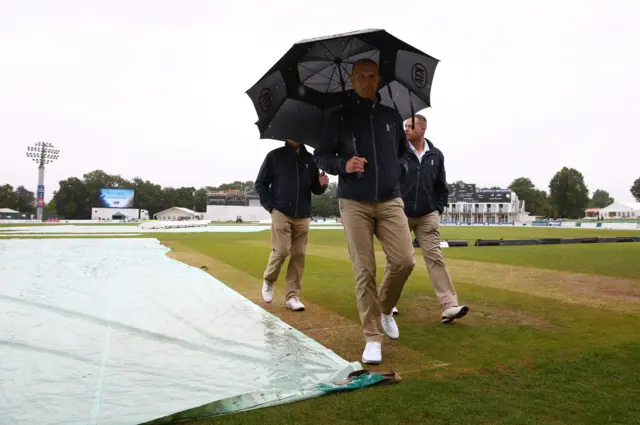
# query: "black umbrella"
{"type": "Point", "coordinates": [311, 79]}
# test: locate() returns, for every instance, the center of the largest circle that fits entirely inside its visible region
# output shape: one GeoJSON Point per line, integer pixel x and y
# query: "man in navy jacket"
{"type": "Point", "coordinates": [284, 184]}
{"type": "Point", "coordinates": [425, 193]}
{"type": "Point", "coordinates": [365, 145]}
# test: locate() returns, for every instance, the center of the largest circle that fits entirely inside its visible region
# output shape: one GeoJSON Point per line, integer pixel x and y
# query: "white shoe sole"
{"type": "Point", "coordinates": [300, 309]}
{"type": "Point", "coordinates": [371, 361]}
{"type": "Point", "coordinates": [463, 312]}
{"type": "Point", "coordinates": [389, 336]}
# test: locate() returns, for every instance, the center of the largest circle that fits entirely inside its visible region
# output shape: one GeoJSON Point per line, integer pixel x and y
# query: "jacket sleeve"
{"type": "Point", "coordinates": [403, 149]}
{"type": "Point", "coordinates": [316, 187]}
{"type": "Point", "coordinates": [327, 153]}
{"type": "Point", "coordinates": [263, 183]}
{"type": "Point", "coordinates": [441, 187]}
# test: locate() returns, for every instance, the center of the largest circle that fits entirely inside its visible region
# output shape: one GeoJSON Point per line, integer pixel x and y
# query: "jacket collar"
{"type": "Point", "coordinates": [290, 148]}
{"type": "Point", "coordinates": [428, 142]}
{"type": "Point", "coordinates": [356, 101]}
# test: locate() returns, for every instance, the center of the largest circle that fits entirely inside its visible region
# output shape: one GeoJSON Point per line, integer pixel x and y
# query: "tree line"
{"type": "Point", "coordinates": [568, 196]}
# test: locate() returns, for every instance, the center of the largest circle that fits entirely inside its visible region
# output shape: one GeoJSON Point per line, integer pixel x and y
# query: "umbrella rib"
{"type": "Point", "coordinates": [349, 45]}
{"type": "Point", "coordinates": [315, 72]}
{"type": "Point", "coordinates": [354, 61]}
{"type": "Point", "coordinates": [346, 73]}
{"type": "Point", "coordinates": [326, 49]}
{"type": "Point", "coordinates": [331, 79]}
{"type": "Point", "coordinates": [323, 76]}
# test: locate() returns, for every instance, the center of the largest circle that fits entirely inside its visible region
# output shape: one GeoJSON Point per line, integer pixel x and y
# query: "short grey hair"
{"type": "Point", "coordinates": [362, 62]}
{"type": "Point", "coordinates": [421, 118]}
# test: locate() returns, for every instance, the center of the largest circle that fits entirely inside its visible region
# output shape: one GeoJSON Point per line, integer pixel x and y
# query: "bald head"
{"type": "Point", "coordinates": [365, 78]}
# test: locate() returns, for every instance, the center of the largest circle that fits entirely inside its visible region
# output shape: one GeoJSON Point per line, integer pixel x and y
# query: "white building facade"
{"type": "Point", "coordinates": [119, 214]}
{"type": "Point", "coordinates": [235, 206]}
{"type": "Point", "coordinates": [222, 213]}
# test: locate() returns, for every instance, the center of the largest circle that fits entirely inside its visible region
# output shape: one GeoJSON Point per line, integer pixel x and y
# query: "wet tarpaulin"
{"type": "Point", "coordinates": [104, 229]}
{"type": "Point", "coordinates": [112, 331]}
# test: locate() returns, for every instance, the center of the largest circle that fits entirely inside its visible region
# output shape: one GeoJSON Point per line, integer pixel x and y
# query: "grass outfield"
{"type": "Point", "coordinates": [552, 336]}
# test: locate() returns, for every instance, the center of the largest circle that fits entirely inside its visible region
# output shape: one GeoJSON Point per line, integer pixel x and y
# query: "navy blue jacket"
{"type": "Point", "coordinates": [424, 188]}
{"type": "Point", "coordinates": [371, 130]}
{"type": "Point", "coordinates": [286, 180]}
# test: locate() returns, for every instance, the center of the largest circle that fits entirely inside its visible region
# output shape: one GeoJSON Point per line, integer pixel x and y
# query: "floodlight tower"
{"type": "Point", "coordinates": [41, 153]}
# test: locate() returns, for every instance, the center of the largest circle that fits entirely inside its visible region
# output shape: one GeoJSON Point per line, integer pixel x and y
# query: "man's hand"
{"type": "Point", "coordinates": [323, 179]}
{"type": "Point", "coordinates": [356, 164]}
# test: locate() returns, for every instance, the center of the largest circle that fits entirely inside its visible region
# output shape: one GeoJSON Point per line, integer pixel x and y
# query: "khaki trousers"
{"type": "Point", "coordinates": [427, 231]}
{"type": "Point", "coordinates": [387, 221]}
{"type": "Point", "coordinates": [288, 238]}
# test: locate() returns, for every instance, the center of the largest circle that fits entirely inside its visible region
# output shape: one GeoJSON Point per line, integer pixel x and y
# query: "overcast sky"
{"type": "Point", "coordinates": [155, 88]}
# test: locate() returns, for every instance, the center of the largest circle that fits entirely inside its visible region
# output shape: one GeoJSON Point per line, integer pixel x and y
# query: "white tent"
{"type": "Point", "coordinates": [177, 213]}
{"type": "Point", "coordinates": [8, 211]}
{"type": "Point", "coordinates": [629, 210]}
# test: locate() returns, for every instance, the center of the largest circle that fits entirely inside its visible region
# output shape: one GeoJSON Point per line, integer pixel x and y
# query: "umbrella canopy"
{"type": "Point", "coordinates": [314, 76]}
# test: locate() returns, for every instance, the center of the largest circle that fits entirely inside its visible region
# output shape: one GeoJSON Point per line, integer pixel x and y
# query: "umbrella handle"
{"type": "Point", "coordinates": [355, 151]}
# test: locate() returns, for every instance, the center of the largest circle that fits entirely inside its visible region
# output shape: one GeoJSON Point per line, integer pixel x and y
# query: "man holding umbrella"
{"type": "Point", "coordinates": [284, 184]}
{"type": "Point", "coordinates": [364, 143]}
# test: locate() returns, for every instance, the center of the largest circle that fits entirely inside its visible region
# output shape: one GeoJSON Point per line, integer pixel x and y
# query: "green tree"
{"type": "Point", "coordinates": [186, 198]}
{"type": "Point", "coordinates": [72, 200]}
{"type": "Point", "coordinates": [50, 210]}
{"type": "Point", "coordinates": [600, 199]}
{"type": "Point", "coordinates": [536, 201]}
{"type": "Point", "coordinates": [569, 193]}
{"type": "Point", "coordinates": [7, 197]}
{"type": "Point", "coordinates": [148, 196]}
{"type": "Point", "coordinates": [326, 205]}
{"type": "Point", "coordinates": [246, 186]}
{"type": "Point", "coordinates": [25, 200]}
{"type": "Point", "coordinates": [201, 200]}
{"type": "Point", "coordinates": [169, 197]}
{"type": "Point", "coordinates": [635, 189]}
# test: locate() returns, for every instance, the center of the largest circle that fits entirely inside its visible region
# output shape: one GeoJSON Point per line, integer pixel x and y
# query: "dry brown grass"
{"type": "Point", "coordinates": [342, 335]}
{"type": "Point", "coordinates": [611, 293]}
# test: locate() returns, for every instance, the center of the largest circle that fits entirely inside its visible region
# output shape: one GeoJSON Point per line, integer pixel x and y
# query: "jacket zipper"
{"type": "Point", "coordinates": [375, 155]}
{"type": "Point", "coordinates": [297, 184]}
{"type": "Point", "coordinates": [415, 205]}
{"type": "Point", "coordinates": [424, 157]}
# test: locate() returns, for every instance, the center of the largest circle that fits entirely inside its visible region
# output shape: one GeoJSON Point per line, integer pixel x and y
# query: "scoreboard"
{"type": "Point", "coordinates": [467, 192]}
{"type": "Point", "coordinates": [462, 192]}
{"type": "Point", "coordinates": [493, 195]}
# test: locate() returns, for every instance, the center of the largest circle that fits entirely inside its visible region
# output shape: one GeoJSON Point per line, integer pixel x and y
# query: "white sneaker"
{"type": "Point", "coordinates": [372, 353]}
{"type": "Point", "coordinates": [267, 292]}
{"type": "Point", "coordinates": [395, 311]}
{"type": "Point", "coordinates": [294, 304]}
{"type": "Point", "coordinates": [453, 313]}
{"type": "Point", "coordinates": [390, 327]}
